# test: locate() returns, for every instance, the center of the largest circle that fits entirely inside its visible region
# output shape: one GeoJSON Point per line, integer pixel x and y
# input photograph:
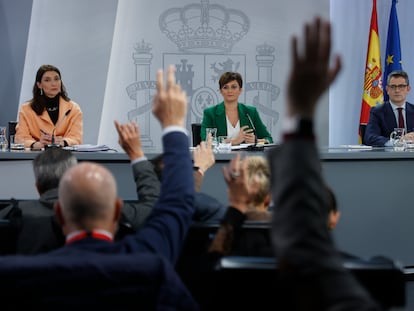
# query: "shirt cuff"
{"type": "Point", "coordinates": [137, 160]}
{"type": "Point", "coordinates": [174, 128]}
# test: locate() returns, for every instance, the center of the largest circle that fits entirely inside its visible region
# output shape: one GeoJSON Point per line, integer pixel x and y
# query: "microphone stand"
{"type": "Point", "coordinates": [253, 147]}
{"type": "Point", "coordinates": [52, 144]}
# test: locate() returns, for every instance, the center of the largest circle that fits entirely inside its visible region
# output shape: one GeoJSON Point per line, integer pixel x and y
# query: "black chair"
{"type": "Point", "coordinates": [250, 281]}
{"type": "Point", "coordinates": [196, 267]}
{"type": "Point", "coordinates": [11, 130]}
{"type": "Point", "coordinates": [10, 224]}
{"type": "Point", "coordinates": [362, 128]}
{"type": "Point", "coordinates": [238, 276]}
{"type": "Point", "coordinates": [196, 130]}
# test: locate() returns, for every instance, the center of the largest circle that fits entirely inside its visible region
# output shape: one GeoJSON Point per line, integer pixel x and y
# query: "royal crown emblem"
{"type": "Point", "coordinates": [204, 27]}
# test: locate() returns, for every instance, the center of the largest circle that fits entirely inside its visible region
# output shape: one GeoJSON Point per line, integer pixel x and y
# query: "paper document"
{"type": "Point", "coordinates": [87, 148]}
{"type": "Point", "coordinates": [355, 147]}
{"type": "Point", "coordinates": [243, 146]}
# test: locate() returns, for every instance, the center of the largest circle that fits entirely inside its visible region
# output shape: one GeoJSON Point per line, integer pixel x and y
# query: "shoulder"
{"type": "Point", "coordinates": [69, 104]}
{"type": "Point", "coordinates": [247, 108]}
{"type": "Point", "coordinates": [214, 109]}
{"type": "Point", "coordinates": [382, 107]}
{"type": "Point", "coordinates": [72, 106]}
{"type": "Point", "coordinates": [410, 106]}
{"type": "Point", "coordinates": [26, 106]}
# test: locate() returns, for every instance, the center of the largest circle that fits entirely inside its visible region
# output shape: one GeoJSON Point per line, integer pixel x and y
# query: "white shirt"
{"type": "Point", "coordinates": [232, 132]}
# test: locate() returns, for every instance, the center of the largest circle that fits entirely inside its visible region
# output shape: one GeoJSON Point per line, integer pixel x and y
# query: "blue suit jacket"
{"type": "Point", "coordinates": [382, 122]}
{"type": "Point", "coordinates": [141, 264]}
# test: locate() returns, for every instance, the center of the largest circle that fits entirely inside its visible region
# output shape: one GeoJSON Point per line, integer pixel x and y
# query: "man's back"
{"type": "Point", "coordinates": [38, 217]}
{"type": "Point", "coordinates": [73, 277]}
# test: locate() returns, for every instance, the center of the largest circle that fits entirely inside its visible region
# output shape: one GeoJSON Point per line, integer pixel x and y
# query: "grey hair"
{"type": "Point", "coordinates": [49, 167]}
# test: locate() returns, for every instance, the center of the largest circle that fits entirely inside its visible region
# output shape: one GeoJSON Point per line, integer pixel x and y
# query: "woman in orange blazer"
{"type": "Point", "coordinates": [49, 113]}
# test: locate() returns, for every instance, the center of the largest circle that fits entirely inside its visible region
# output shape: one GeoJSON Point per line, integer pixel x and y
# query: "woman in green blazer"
{"type": "Point", "coordinates": [231, 118]}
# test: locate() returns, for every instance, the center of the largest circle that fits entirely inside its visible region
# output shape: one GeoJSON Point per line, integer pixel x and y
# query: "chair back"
{"type": "Point", "coordinates": [195, 131]}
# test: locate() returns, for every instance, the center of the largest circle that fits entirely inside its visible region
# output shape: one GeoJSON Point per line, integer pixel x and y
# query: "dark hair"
{"type": "Point", "coordinates": [38, 101]}
{"type": "Point", "coordinates": [230, 76]}
{"type": "Point", "coordinates": [398, 74]}
{"type": "Point", "coordinates": [49, 167]}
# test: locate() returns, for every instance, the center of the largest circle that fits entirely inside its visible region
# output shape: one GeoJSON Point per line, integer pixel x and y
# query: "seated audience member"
{"type": "Point", "coordinates": [249, 199]}
{"type": "Point", "coordinates": [49, 166]}
{"type": "Point", "coordinates": [207, 208]}
{"type": "Point", "coordinates": [38, 215]}
{"type": "Point", "coordinates": [230, 239]}
{"type": "Point", "coordinates": [384, 118]}
{"type": "Point", "coordinates": [89, 209]}
{"type": "Point", "coordinates": [232, 118]}
{"type": "Point", "coordinates": [311, 275]}
{"type": "Point", "coordinates": [50, 114]}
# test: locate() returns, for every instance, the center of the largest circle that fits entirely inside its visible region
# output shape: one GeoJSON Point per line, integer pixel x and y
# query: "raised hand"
{"type": "Point", "coordinates": [203, 155]}
{"type": "Point", "coordinates": [129, 139]}
{"type": "Point", "coordinates": [170, 102]}
{"type": "Point", "coordinates": [236, 177]}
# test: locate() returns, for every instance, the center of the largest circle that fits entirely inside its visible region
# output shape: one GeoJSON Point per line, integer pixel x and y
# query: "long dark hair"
{"type": "Point", "coordinates": [38, 101]}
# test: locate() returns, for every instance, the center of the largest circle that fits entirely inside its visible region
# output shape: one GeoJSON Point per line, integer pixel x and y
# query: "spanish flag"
{"type": "Point", "coordinates": [372, 94]}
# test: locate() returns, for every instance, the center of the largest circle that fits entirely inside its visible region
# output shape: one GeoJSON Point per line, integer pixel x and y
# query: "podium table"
{"type": "Point", "coordinates": [373, 190]}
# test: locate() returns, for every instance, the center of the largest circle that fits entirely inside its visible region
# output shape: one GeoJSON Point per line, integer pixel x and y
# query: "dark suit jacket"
{"type": "Point", "coordinates": [382, 122]}
{"type": "Point", "coordinates": [38, 215]}
{"type": "Point", "coordinates": [146, 259]}
{"type": "Point", "coordinates": [215, 117]}
{"type": "Point", "coordinates": [311, 271]}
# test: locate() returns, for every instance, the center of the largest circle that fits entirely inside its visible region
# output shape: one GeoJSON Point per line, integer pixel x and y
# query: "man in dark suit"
{"type": "Point", "coordinates": [93, 271]}
{"type": "Point", "coordinates": [38, 215]}
{"type": "Point", "coordinates": [310, 268]}
{"type": "Point", "coordinates": [49, 166]}
{"type": "Point", "coordinates": [384, 118]}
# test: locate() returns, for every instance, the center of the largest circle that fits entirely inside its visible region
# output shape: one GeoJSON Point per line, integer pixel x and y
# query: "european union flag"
{"type": "Point", "coordinates": [393, 52]}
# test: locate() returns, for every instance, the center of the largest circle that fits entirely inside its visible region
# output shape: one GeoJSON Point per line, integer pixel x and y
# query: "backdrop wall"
{"type": "Point", "coordinates": [109, 51]}
{"type": "Point", "coordinates": [93, 42]}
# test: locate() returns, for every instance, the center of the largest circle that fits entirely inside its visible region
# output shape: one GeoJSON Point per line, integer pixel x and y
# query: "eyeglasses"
{"type": "Point", "coordinates": [397, 87]}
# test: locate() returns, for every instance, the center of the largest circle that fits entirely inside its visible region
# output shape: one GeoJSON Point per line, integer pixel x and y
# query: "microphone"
{"type": "Point", "coordinates": [253, 147]}
{"type": "Point", "coordinates": [53, 145]}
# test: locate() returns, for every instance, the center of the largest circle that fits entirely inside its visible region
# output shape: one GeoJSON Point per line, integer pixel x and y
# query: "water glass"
{"type": "Point", "coordinates": [224, 144]}
{"type": "Point", "coordinates": [213, 132]}
{"type": "Point", "coordinates": [14, 144]}
{"type": "Point", "coordinates": [397, 139]}
{"type": "Point", "coordinates": [3, 139]}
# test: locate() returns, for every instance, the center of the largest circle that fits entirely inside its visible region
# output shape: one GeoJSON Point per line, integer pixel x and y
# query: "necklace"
{"type": "Point", "coordinates": [51, 109]}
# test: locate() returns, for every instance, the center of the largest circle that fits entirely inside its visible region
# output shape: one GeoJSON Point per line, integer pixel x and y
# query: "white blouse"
{"type": "Point", "coordinates": [232, 132]}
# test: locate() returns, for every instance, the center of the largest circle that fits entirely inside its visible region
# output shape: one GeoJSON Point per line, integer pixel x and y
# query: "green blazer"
{"type": "Point", "coordinates": [215, 116]}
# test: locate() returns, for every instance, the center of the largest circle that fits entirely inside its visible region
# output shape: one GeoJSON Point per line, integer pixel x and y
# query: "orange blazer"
{"type": "Point", "coordinates": [70, 127]}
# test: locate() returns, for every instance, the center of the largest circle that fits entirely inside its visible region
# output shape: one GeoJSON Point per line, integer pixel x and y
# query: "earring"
{"type": "Point", "coordinates": [41, 92]}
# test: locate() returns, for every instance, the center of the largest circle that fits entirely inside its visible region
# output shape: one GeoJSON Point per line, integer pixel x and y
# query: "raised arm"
{"type": "Point", "coordinates": [146, 180]}
{"type": "Point", "coordinates": [166, 227]}
{"type": "Point", "coordinates": [311, 272]}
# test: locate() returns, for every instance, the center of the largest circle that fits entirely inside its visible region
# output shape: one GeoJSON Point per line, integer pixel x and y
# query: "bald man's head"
{"type": "Point", "coordinates": [88, 197]}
